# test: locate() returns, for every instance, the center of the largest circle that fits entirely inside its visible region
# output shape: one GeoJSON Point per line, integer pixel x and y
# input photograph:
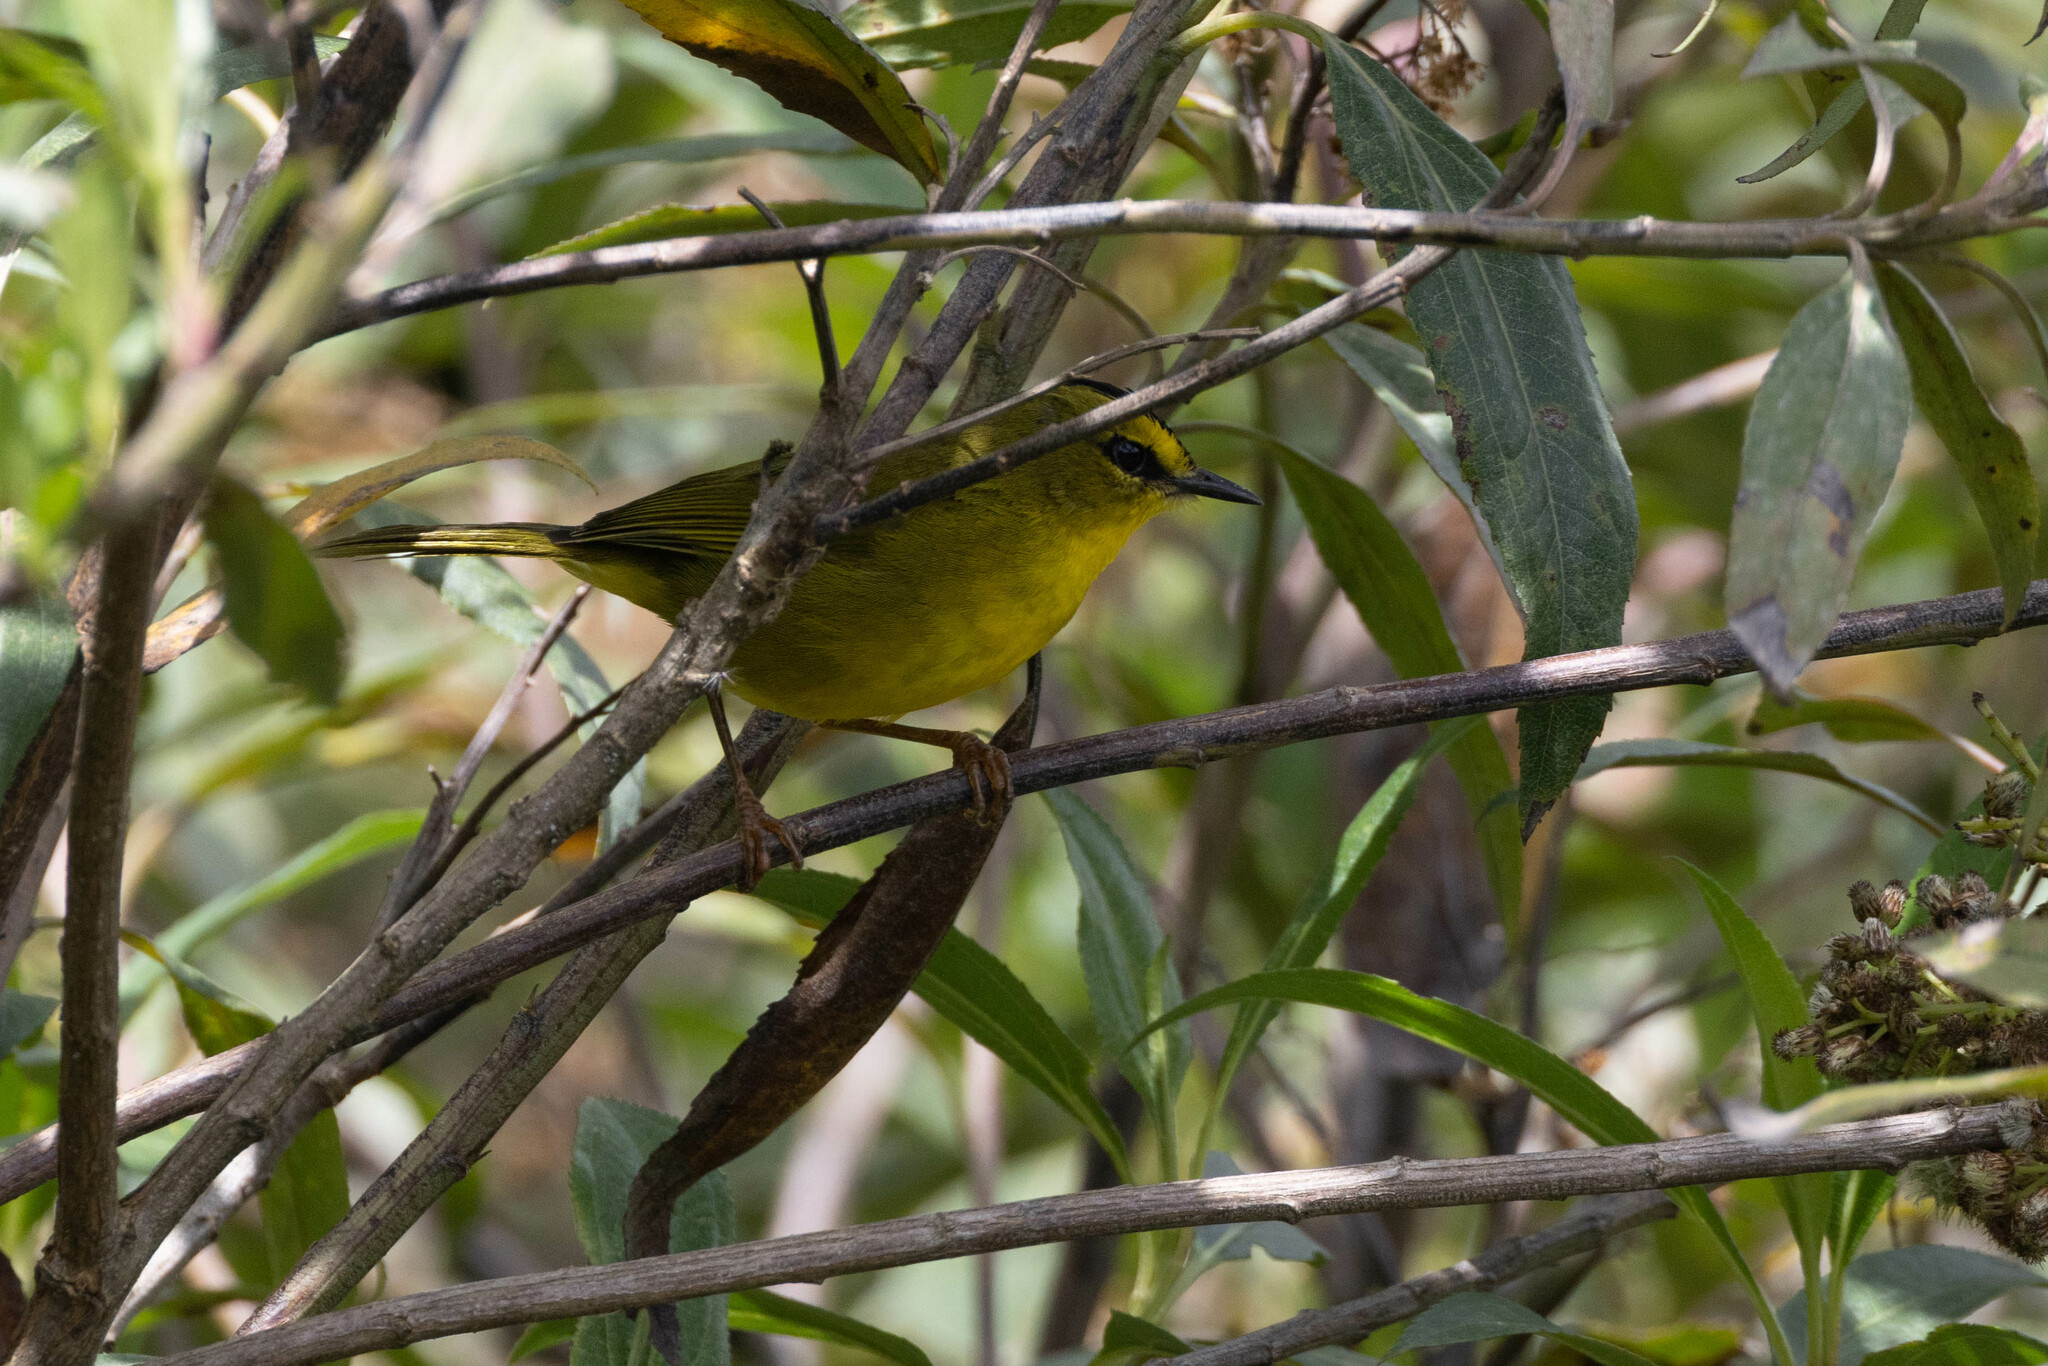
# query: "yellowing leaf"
{"type": "Point", "coordinates": [335, 503]}
{"type": "Point", "coordinates": [809, 62]}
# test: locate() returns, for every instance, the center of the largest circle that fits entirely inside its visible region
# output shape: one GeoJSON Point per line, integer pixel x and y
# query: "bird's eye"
{"type": "Point", "coordinates": [1132, 458]}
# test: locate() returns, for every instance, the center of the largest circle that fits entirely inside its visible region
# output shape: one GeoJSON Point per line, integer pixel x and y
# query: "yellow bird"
{"type": "Point", "coordinates": [898, 616]}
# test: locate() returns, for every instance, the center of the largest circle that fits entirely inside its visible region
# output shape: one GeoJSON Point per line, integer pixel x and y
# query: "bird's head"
{"type": "Point", "coordinates": [1144, 460]}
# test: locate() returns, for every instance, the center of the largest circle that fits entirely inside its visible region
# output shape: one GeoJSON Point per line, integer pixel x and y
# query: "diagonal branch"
{"type": "Point", "coordinates": [1403, 1183]}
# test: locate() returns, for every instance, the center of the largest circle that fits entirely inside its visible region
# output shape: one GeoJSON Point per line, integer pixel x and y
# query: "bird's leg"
{"type": "Point", "coordinates": [755, 824]}
{"type": "Point", "coordinates": [987, 768]}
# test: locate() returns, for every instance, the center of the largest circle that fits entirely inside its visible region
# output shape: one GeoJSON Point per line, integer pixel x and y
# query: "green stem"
{"type": "Point", "coordinates": [1209, 30]}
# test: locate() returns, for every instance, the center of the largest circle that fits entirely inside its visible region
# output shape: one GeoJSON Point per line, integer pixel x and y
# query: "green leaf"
{"type": "Point", "coordinates": [1822, 444]}
{"type": "Point", "coordinates": [689, 220]}
{"type": "Point", "coordinates": [481, 590]}
{"type": "Point", "coordinates": [1898, 22]}
{"type": "Point", "coordinates": [37, 649]}
{"type": "Point", "coordinates": [1120, 940]}
{"type": "Point", "coordinates": [240, 66]}
{"type": "Point", "coordinates": [1789, 49]}
{"type": "Point", "coordinates": [1323, 908]}
{"type": "Point", "coordinates": [1234, 1242]}
{"type": "Point", "coordinates": [1399, 376]}
{"type": "Point", "coordinates": [1906, 1293]}
{"type": "Point", "coordinates": [763, 1311]}
{"type": "Point", "coordinates": [613, 1139]}
{"type": "Point", "coordinates": [1988, 452]}
{"type": "Point", "coordinates": [1127, 1334]}
{"type": "Point", "coordinates": [1860, 1196]}
{"type": "Point", "coordinates": [914, 33]}
{"type": "Point", "coordinates": [1576, 1097]}
{"type": "Point", "coordinates": [1964, 1344]}
{"type": "Point", "coordinates": [275, 602]}
{"type": "Point", "coordinates": [669, 151]}
{"type": "Point", "coordinates": [1776, 1003]}
{"type": "Point", "coordinates": [22, 1017]}
{"type": "Point", "coordinates": [307, 1194]}
{"type": "Point", "coordinates": [1582, 33]}
{"type": "Point", "coordinates": [1378, 573]}
{"type": "Point", "coordinates": [978, 994]}
{"type": "Point", "coordinates": [1699, 753]}
{"type": "Point", "coordinates": [1535, 447]}
{"type": "Point", "coordinates": [809, 62]}
{"type": "Point", "coordinates": [538, 1337]}
{"type": "Point", "coordinates": [367, 835]}
{"type": "Point", "coordinates": [1854, 720]}
{"type": "Point", "coordinates": [216, 1018]}
{"type": "Point", "coordinates": [2004, 959]}
{"type": "Point", "coordinates": [1478, 1317]}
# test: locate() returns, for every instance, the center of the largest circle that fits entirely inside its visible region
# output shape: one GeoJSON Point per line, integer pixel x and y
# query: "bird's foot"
{"type": "Point", "coordinates": [988, 774]}
{"type": "Point", "coordinates": [755, 828]}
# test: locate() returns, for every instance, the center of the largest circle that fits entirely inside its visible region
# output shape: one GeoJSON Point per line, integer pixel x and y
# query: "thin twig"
{"type": "Point", "coordinates": [416, 872]}
{"type": "Point", "coordinates": [986, 133]}
{"type": "Point", "coordinates": [1963, 619]}
{"type": "Point", "coordinates": [1402, 1183]}
{"type": "Point", "coordinates": [812, 273]}
{"type": "Point", "coordinates": [1585, 1228]}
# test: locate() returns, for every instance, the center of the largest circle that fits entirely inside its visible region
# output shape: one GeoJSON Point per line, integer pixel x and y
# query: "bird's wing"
{"type": "Point", "coordinates": [701, 516]}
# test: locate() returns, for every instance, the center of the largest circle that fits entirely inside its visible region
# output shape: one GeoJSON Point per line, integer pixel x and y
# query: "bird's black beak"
{"type": "Point", "coordinates": [1204, 484]}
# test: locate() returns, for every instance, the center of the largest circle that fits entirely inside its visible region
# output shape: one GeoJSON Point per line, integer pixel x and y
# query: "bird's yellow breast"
{"type": "Point", "coordinates": [948, 600]}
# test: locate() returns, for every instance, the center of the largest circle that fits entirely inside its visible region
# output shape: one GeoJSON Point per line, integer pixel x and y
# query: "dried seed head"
{"type": "Point", "coordinates": [1864, 901]}
{"type": "Point", "coordinates": [2005, 796]}
{"type": "Point", "coordinates": [1985, 1174]}
{"type": "Point", "coordinates": [1877, 940]}
{"type": "Point", "coordinates": [2027, 1233]}
{"type": "Point", "coordinates": [1936, 898]}
{"type": "Point", "coordinates": [1804, 1041]}
{"type": "Point", "coordinates": [1840, 1054]}
{"type": "Point", "coordinates": [1820, 1001]}
{"type": "Point", "coordinates": [1892, 903]}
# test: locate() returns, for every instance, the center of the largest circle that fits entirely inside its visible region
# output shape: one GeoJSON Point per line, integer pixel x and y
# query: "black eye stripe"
{"type": "Point", "coordinates": [1136, 460]}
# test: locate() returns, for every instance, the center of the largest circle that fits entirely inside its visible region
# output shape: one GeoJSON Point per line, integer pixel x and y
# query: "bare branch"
{"type": "Point", "coordinates": [1036, 227]}
{"type": "Point", "coordinates": [1584, 1229]}
{"type": "Point", "coordinates": [1885, 1144]}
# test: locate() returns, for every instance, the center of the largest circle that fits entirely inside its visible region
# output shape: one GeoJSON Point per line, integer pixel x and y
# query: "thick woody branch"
{"type": "Point", "coordinates": [1886, 1144]}
{"type": "Point", "coordinates": [1698, 659]}
{"type": "Point", "coordinates": [1037, 227]}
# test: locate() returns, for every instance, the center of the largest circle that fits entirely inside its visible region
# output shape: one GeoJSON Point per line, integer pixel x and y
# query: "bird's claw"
{"type": "Point", "coordinates": [755, 826]}
{"type": "Point", "coordinates": [988, 776]}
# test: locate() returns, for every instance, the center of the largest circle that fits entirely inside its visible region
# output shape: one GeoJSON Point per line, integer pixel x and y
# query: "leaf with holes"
{"type": "Point", "coordinates": [1535, 447]}
{"type": "Point", "coordinates": [1820, 450]}
{"type": "Point", "coordinates": [809, 62]}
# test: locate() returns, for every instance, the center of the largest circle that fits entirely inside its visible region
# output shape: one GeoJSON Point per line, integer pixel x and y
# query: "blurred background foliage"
{"type": "Point", "coordinates": [646, 381]}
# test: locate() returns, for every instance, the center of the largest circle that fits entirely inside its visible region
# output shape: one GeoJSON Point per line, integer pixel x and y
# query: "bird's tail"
{"type": "Point", "coordinates": [394, 542]}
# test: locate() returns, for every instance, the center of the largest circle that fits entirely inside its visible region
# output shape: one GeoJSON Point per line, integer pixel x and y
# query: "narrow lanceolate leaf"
{"type": "Point", "coordinates": [1120, 941]}
{"type": "Point", "coordinates": [1822, 445]}
{"type": "Point", "coordinates": [1701, 754]}
{"type": "Point", "coordinates": [1323, 908]}
{"type": "Point", "coordinates": [1477, 1317]}
{"type": "Point", "coordinates": [1899, 20]}
{"type": "Point", "coordinates": [1582, 33]}
{"type": "Point", "coordinates": [1581, 1101]}
{"type": "Point", "coordinates": [333, 503]}
{"type": "Point", "coordinates": [1378, 573]}
{"type": "Point", "coordinates": [809, 62]}
{"type": "Point", "coordinates": [1965, 1344]}
{"type": "Point", "coordinates": [764, 1311]}
{"type": "Point", "coordinates": [275, 602]}
{"type": "Point", "coordinates": [1789, 49]}
{"type": "Point", "coordinates": [664, 221]}
{"type": "Point", "coordinates": [1535, 447]}
{"type": "Point", "coordinates": [613, 1139]}
{"type": "Point", "coordinates": [37, 649]}
{"type": "Point", "coordinates": [1987, 451]}
{"type": "Point", "coordinates": [1776, 1003]}
{"type": "Point", "coordinates": [913, 33]}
